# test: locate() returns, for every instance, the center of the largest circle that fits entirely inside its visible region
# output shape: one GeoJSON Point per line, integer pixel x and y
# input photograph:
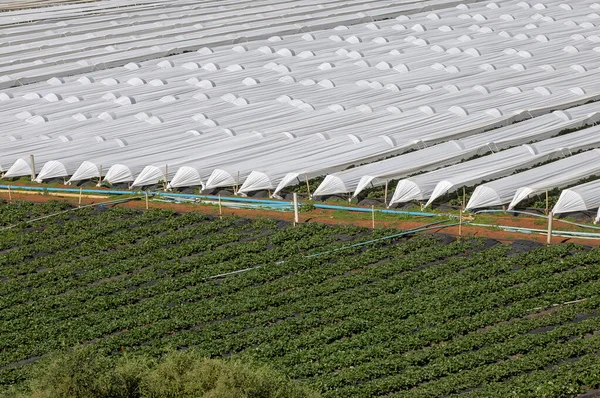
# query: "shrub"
{"type": "Point", "coordinates": [83, 373]}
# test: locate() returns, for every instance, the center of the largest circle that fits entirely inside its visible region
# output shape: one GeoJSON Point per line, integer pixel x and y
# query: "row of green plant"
{"type": "Point", "coordinates": [408, 317]}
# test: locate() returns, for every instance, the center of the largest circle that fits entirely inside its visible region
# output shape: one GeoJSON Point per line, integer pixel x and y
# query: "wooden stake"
{"type": "Point", "coordinates": [464, 198]}
{"type": "Point", "coordinates": [146, 200]}
{"type": "Point", "coordinates": [220, 208]}
{"type": "Point", "coordinates": [373, 216]}
{"type": "Point", "coordinates": [80, 195]}
{"type": "Point", "coordinates": [100, 177]}
{"type": "Point", "coordinates": [385, 193]}
{"type": "Point", "coordinates": [9, 195]}
{"type": "Point", "coordinates": [32, 159]}
{"type": "Point", "coordinates": [166, 176]}
{"type": "Point", "coordinates": [549, 239]}
{"type": "Point", "coordinates": [546, 212]}
{"type": "Point", "coordinates": [460, 219]}
{"type": "Point", "coordinates": [296, 219]}
{"type": "Point", "coordinates": [307, 185]}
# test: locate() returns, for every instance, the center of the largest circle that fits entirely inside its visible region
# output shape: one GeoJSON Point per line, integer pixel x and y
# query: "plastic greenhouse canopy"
{"type": "Point", "coordinates": [115, 32]}
{"type": "Point", "coordinates": [417, 138]}
{"type": "Point", "coordinates": [518, 187]}
{"type": "Point", "coordinates": [375, 174]}
{"type": "Point", "coordinates": [277, 92]}
{"type": "Point", "coordinates": [579, 198]}
{"type": "Point", "coordinates": [434, 184]}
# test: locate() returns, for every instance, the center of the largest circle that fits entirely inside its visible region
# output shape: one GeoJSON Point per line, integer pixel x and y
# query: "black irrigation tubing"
{"type": "Point", "coordinates": [69, 210]}
{"type": "Point", "coordinates": [404, 233]}
{"type": "Point", "coordinates": [426, 227]}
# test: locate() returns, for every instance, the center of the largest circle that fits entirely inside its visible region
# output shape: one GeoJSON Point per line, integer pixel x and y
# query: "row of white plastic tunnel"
{"type": "Point", "coordinates": [287, 109]}
{"type": "Point", "coordinates": [449, 172]}
{"type": "Point", "coordinates": [68, 40]}
{"type": "Point", "coordinates": [577, 161]}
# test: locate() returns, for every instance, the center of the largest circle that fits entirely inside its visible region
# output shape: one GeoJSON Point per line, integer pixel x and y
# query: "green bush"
{"type": "Point", "coordinates": [82, 373]}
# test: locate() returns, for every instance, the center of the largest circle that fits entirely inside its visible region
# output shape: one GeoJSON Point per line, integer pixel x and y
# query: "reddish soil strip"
{"type": "Point", "coordinates": [326, 217]}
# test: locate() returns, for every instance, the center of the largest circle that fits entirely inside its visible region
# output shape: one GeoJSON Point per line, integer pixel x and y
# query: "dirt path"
{"type": "Point", "coordinates": [327, 217]}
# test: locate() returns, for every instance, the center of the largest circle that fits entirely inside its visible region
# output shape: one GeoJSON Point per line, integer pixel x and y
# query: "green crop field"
{"type": "Point", "coordinates": [414, 317]}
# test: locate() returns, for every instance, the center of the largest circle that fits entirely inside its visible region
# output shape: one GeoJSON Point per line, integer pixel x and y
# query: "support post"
{"type": "Point", "coordinates": [373, 216]}
{"type": "Point", "coordinates": [9, 195]}
{"type": "Point", "coordinates": [460, 219]}
{"type": "Point", "coordinates": [307, 186]}
{"type": "Point", "coordinates": [220, 208]}
{"type": "Point", "coordinates": [166, 176]}
{"type": "Point", "coordinates": [32, 160]}
{"type": "Point", "coordinates": [100, 177]}
{"type": "Point", "coordinates": [464, 199]}
{"type": "Point", "coordinates": [80, 195]}
{"type": "Point", "coordinates": [550, 217]}
{"type": "Point", "coordinates": [296, 219]}
{"type": "Point", "coordinates": [547, 202]}
{"type": "Point", "coordinates": [146, 199]}
{"type": "Point", "coordinates": [385, 193]}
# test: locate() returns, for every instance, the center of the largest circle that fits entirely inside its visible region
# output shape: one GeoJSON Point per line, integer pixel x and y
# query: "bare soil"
{"type": "Point", "coordinates": [590, 394]}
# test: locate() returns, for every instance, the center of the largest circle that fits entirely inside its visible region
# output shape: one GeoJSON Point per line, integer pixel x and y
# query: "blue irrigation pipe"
{"type": "Point", "coordinates": [214, 197]}
{"type": "Point", "coordinates": [280, 206]}
{"type": "Point", "coordinates": [537, 215]}
{"type": "Point", "coordinates": [118, 192]}
{"type": "Point", "coordinates": [282, 203]}
{"type": "Point", "coordinates": [574, 234]}
{"type": "Point", "coordinates": [289, 204]}
{"type": "Point", "coordinates": [223, 198]}
{"type": "Point", "coordinates": [71, 190]}
{"type": "Point", "coordinates": [286, 204]}
{"type": "Point", "coordinates": [385, 211]}
{"type": "Point", "coordinates": [191, 198]}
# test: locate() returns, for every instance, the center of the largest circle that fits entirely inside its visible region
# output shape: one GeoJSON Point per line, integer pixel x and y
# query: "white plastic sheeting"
{"type": "Point", "coordinates": [579, 198]}
{"type": "Point", "coordinates": [67, 40]}
{"type": "Point", "coordinates": [270, 93]}
{"type": "Point", "coordinates": [518, 187]}
{"type": "Point", "coordinates": [221, 167]}
{"type": "Point", "coordinates": [333, 153]}
{"type": "Point", "coordinates": [376, 174]}
{"type": "Point", "coordinates": [430, 186]}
